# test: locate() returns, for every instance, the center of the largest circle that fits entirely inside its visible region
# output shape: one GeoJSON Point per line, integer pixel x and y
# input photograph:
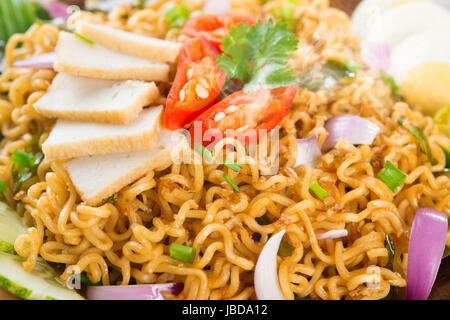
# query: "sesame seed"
{"type": "Point", "coordinates": [231, 109]}
{"type": "Point", "coordinates": [204, 83]}
{"type": "Point", "coordinates": [219, 116]}
{"type": "Point", "coordinates": [201, 91]}
{"type": "Point", "coordinates": [182, 95]}
{"type": "Point", "coordinates": [190, 73]}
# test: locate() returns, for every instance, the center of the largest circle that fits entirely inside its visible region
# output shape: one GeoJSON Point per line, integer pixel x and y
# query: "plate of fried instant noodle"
{"type": "Point", "coordinates": [222, 149]}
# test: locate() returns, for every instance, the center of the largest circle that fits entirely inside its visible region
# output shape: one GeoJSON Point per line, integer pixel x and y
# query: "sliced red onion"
{"type": "Point", "coordinates": [354, 129]}
{"type": "Point", "coordinates": [267, 286]}
{"type": "Point", "coordinates": [332, 234]}
{"type": "Point", "coordinates": [377, 55]}
{"type": "Point", "coordinates": [217, 6]}
{"type": "Point", "coordinates": [57, 9]}
{"type": "Point", "coordinates": [307, 151]}
{"type": "Point", "coordinates": [426, 246]}
{"type": "Point", "coordinates": [133, 292]}
{"type": "Point", "coordinates": [44, 61]}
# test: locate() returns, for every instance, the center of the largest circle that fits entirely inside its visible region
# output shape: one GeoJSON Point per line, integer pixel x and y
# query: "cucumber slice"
{"type": "Point", "coordinates": [3, 32]}
{"type": "Point", "coordinates": [11, 226]}
{"type": "Point", "coordinates": [8, 17]}
{"type": "Point", "coordinates": [18, 9]}
{"type": "Point", "coordinates": [40, 284]}
{"type": "Point", "coordinates": [28, 13]}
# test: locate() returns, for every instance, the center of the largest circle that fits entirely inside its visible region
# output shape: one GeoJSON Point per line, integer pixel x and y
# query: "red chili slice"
{"type": "Point", "coordinates": [197, 85]}
{"type": "Point", "coordinates": [244, 116]}
{"type": "Point", "coordinates": [214, 26]}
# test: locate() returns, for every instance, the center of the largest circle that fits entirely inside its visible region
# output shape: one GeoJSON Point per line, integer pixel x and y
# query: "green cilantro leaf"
{"type": "Point", "coordinates": [286, 14]}
{"type": "Point", "coordinates": [258, 55]}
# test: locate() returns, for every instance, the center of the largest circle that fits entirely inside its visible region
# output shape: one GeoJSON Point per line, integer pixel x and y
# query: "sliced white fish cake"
{"type": "Point", "coordinates": [130, 43]}
{"type": "Point", "coordinates": [77, 57]}
{"type": "Point", "coordinates": [73, 139]}
{"type": "Point", "coordinates": [84, 99]}
{"type": "Point", "coordinates": [97, 178]}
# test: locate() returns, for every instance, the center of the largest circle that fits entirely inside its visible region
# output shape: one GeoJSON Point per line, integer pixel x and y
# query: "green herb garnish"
{"type": "Point", "coordinates": [318, 190]}
{"type": "Point", "coordinates": [228, 179]}
{"type": "Point", "coordinates": [26, 162]}
{"type": "Point", "coordinates": [286, 15]}
{"type": "Point", "coordinates": [442, 120]}
{"type": "Point", "coordinates": [331, 72]}
{"type": "Point", "coordinates": [182, 253]}
{"type": "Point", "coordinates": [285, 249]}
{"type": "Point", "coordinates": [85, 279]}
{"type": "Point", "coordinates": [23, 159]}
{"type": "Point", "coordinates": [392, 176]}
{"type": "Point", "coordinates": [85, 39]}
{"type": "Point", "coordinates": [421, 138]}
{"type": "Point", "coordinates": [177, 15]}
{"type": "Point", "coordinates": [257, 56]}
{"type": "Point", "coordinates": [447, 157]}
{"type": "Point", "coordinates": [389, 244]}
{"type": "Point", "coordinates": [389, 81]}
{"type": "Point", "coordinates": [3, 186]}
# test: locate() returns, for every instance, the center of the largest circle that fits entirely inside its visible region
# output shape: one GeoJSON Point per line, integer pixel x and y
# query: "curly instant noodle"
{"type": "Point", "coordinates": [126, 240]}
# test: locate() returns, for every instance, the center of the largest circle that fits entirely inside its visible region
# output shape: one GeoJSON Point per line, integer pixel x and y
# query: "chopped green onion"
{"type": "Point", "coordinates": [204, 152]}
{"type": "Point", "coordinates": [389, 81]}
{"type": "Point", "coordinates": [353, 67]}
{"type": "Point", "coordinates": [392, 176]}
{"type": "Point", "coordinates": [447, 157]}
{"type": "Point", "coordinates": [318, 190]}
{"type": "Point", "coordinates": [182, 253]}
{"type": "Point", "coordinates": [84, 279]}
{"type": "Point", "coordinates": [338, 70]}
{"type": "Point", "coordinates": [442, 120]}
{"type": "Point", "coordinates": [286, 15]}
{"type": "Point", "coordinates": [23, 159]}
{"type": "Point", "coordinates": [233, 166]}
{"type": "Point", "coordinates": [391, 250]}
{"type": "Point", "coordinates": [177, 15]}
{"type": "Point", "coordinates": [85, 39]}
{"type": "Point", "coordinates": [228, 179]}
{"type": "Point", "coordinates": [285, 249]}
{"type": "Point", "coordinates": [3, 186]}
{"type": "Point", "coordinates": [420, 136]}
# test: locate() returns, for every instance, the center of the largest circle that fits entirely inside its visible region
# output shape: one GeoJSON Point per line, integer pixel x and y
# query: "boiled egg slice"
{"type": "Point", "coordinates": [368, 13]}
{"type": "Point", "coordinates": [420, 65]}
{"type": "Point", "coordinates": [402, 21]}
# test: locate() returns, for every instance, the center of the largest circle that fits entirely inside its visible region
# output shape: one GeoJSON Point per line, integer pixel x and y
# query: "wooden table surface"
{"type": "Point", "coordinates": [441, 289]}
